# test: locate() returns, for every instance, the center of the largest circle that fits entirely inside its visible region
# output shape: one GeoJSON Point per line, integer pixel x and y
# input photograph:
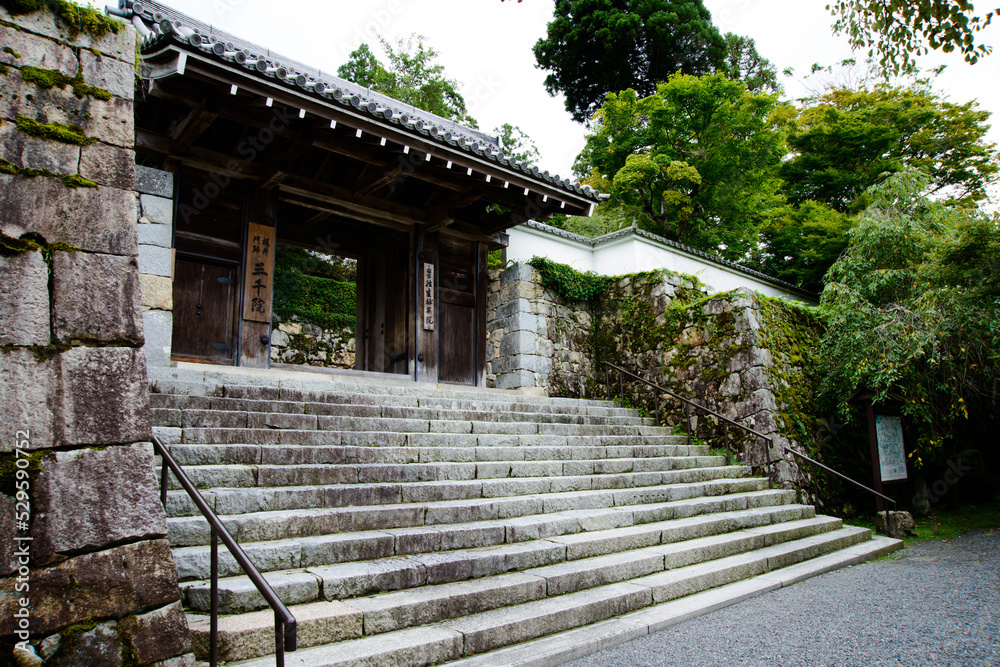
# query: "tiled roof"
{"type": "Point", "coordinates": [163, 25]}
{"type": "Point", "coordinates": [635, 231]}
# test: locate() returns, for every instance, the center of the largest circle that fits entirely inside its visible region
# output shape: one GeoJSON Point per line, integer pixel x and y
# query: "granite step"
{"type": "Point", "coordinates": [489, 630]}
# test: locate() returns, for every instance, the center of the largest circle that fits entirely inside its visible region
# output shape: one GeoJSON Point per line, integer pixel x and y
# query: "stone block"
{"type": "Point", "coordinates": [156, 261]}
{"type": "Point", "coordinates": [110, 121]}
{"type": "Point", "coordinates": [27, 398]}
{"type": "Point", "coordinates": [157, 209]}
{"type": "Point", "coordinates": [157, 635]}
{"type": "Point", "coordinates": [186, 660]}
{"type": "Point", "coordinates": [99, 645]}
{"type": "Point", "coordinates": [111, 74]}
{"type": "Point", "coordinates": [24, 150]}
{"type": "Point", "coordinates": [521, 342]}
{"type": "Point", "coordinates": [158, 327]}
{"type": "Point", "coordinates": [526, 322]}
{"type": "Point", "coordinates": [155, 234]}
{"type": "Point", "coordinates": [32, 50]}
{"type": "Point", "coordinates": [118, 582]}
{"type": "Point", "coordinates": [511, 307]}
{"type": "Point", "coordinates": [149, 181]}
{"type": "Point", "coordinates": [105, 398]}
{"type": "Point", "coordinates": [516, 380]}
{"type": "Point", "coordinates": [108, 165]}
{"type": "Point", "coordinates": [518, 272]}
{"type": "Point", "coordinates": [8, 561]}
{"type": "Point", "coordinates": [157, 293]}
{"type": "Point", "coordinates": [92, 219]}
{"type": "Point", "coordinates": [533, 363]}
{"type": "Point", "coordinates": [95, 298]}
{"type": "Point", "coordinates": [121, 45]}
{"type": "Point", "coordinates": [24, 300]}
{"type": "Point", "coordinates": [86, 499]}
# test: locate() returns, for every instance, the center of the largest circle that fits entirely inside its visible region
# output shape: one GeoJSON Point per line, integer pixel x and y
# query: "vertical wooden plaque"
{"type": "Point", "coordinates": [258, 274]}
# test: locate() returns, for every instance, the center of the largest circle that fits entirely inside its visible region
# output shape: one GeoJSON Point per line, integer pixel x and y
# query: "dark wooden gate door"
{"type": "Point", "coordinates": [387, 309]}
{"type": "Point", "coordinates": [457, 311]}
{"type": "Point", "coordinates": [204, 310]}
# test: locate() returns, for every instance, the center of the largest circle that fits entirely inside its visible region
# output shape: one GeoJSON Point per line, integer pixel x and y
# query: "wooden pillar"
{"type": "Point", "coordinates": [426, 311]}
{"type": "Point", "coordinates": [361, 319]}
{"type": "Point", "coordinates": [258, 281]}
{"type": "Point", "coordinates": [482, 288]}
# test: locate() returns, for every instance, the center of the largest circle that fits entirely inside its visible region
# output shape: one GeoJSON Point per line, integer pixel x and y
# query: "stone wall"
{"type": "Point", "coordinates": [86, 574]}
{"type": "Point", "coordinates": [737, 353]}
{"type": "Point", "coordinates": [310, 345]}
{"type": "Point", "coordinates": [155, 207]}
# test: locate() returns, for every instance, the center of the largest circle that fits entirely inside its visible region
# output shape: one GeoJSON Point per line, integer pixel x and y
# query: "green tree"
{"type": "Point", "coordinates": [898, 30]}
{"type": "Point", "coordinates": [847, 140]}
{"type": "Point", "coordinates": [696, 162]}
{"type": "Point", "coordinates": [516, 143]}
{"type": "Point", "coordinates": [411, 76]}
{"type": "Point", "coordinates": [913, 307]}
{"type": "Point", "coordinates": [799, 245]}
{"type": "Point", "coordinates": [596, 47]}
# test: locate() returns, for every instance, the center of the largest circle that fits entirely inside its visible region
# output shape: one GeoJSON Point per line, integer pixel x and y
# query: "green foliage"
{"type": "Point", "coordinates": [696, 162]}
{"type": "Point", "coordinates": [568, 282]}
{"type": "Point", "coordinates": [847, 140]}
{"type": "Point", "coordinates": [67, 134]}
{"type": "Point", "coordinates": [516, 143]}
{"type": "Point", "coordinates": [596, 47]}
{"type": "Point", "coordinates": [76, 18]}
{"type": "Point", "coordinates": [912, 307]}
{"type": "Point", "coordinates": [802, 243]}
{"type": "Point", "coordinates": [313, 290]}
{"type": "Point", "coordinates": [896, 30]}
{"type": "Point", "coordinates": [53, 78]}
{"type": "Point", "coordinates": [410, 76]}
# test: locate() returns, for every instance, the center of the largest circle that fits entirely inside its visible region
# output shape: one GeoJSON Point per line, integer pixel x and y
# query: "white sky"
{"type": "Point", "coordinates": [486, 45]}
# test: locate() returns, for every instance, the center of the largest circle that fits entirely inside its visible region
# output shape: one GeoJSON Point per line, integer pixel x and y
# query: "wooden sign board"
{"type": "Point", "coordinates": [258, 274]}
{"type": "Point", "coordinates": [891, 453]}
{"type": "Point", "coordinates": [428, 290]}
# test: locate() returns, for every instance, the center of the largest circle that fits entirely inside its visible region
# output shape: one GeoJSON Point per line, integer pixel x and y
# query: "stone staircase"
{"type": "Point", "coordinates": [410, 524]}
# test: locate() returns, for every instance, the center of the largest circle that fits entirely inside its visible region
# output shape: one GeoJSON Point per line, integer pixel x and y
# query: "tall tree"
{"type": "Point", "coordinates": [801, 243]}
{"type": "Point", "coordinates": [411, 76]}
{"type": "Point", "coordinates": [898, 30]}
{"type": "Point", "coordinates": [695, 162]}
{"type": "Point", "coordinates": [595, 47]}
{"type": "Point", "coordinates": [913, 307]}
{"type": "Point", "coordinates": [848, 140]}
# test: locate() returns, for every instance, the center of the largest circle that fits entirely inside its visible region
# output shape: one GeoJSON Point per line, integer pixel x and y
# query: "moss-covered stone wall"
{"type": "Point", "coordinates": [743, 355]}
{"type": "Point", "coordinates": [86, 573]}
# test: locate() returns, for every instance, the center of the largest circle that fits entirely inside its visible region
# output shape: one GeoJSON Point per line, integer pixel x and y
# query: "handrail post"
{"type": "Point", "coordinates": [607, 378]}
{"type": "Point", "coordinates": [725, 434]}
{"type": "Point", "coordinates": [163, 483]}
{"type": "Point", "coordinates": [687, 410]}
{"type": "Point", "coordinates": [213, 656]}
{"type": "Point", "coordinates": [621, 387]}
{"type": "Point", "coordinates": [279, 641]}
{"type": "Point", "coordinates": [656, 406]}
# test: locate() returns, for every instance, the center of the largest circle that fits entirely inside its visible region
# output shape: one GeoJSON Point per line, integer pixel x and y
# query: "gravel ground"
{"type": "Point", "coordinates": [933, 603]}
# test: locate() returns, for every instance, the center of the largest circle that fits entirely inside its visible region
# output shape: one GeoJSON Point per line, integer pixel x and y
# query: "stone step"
{"type": "Point", "coordinates": [385, 552]}
{"type": "Point", "coordinates": [486, 631]}
{"type": "Point", "coordinates": [173, 410]}
{"type": "Point", "coordinates": [452, 480]}
{"type": "Point", "coordinates": [584, 533]}
{"type": "Point", "coordinates": [563, 647]}
{"type": "Point", "coordinates": [285, 524]}
{"type": "Point", "coordinates": [331, 438]}
{"type": "Point", "coordinates": [638, 459]}
{"type": "Point", "coordinates": [325, 491]}
{"type": "Point", "coordinates": [544, 559]}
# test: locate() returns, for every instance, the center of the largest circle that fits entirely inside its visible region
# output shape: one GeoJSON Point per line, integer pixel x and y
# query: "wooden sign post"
{"type": "Point", "coordinates": [258, 286]}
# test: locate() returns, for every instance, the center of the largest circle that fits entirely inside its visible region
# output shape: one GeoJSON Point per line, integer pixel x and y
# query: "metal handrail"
{"type": "Point", "coordinates": [689, 404]}
{"type": "Point", "coordinates": [284, 622]}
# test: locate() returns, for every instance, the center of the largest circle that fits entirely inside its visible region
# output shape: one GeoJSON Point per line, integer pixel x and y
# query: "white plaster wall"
{"type": "Point", "coordinates": [632, 253]}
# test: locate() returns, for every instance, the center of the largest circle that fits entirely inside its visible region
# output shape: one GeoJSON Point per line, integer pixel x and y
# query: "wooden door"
{"type": "Point", "coordinates": [387, 290]}
{"type": "Point", "coordinates": [204, 310]}
{"type": "Point", "coordinates": [457, 313]}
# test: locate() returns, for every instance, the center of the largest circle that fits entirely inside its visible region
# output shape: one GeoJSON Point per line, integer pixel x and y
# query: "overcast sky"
{"type": "Point", "coordinates": [486, 45]}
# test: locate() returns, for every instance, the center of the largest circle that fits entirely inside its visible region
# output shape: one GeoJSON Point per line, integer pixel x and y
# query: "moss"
{"type": "Point", "coordinates": [43, 353]}
{"type": "Point", "coordinates": [4, 69]}
{"type": "Point", "coordinates": [11, 52]}
{"type": "Point", "coordinates": [67, 134]}
{"type": "Point", "coordinates": [9, 468]}
{"type": "Point", "coordinates": [53, 78]}
{"type": "Point", "coordinates": [69, 180]}
{"type": "Point", "coordinates": [567, 282]}
{"type": "Point", "coordinates": [10, 246]}
{"type": "Point", "coordinates": [75, 18]}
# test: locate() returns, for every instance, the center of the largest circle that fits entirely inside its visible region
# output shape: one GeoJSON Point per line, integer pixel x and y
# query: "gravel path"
{"type": "Point", "coordinates": [934, 603]}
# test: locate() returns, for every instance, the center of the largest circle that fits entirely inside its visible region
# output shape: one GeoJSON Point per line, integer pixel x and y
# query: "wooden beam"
{"type": "Point", "coordinates": [192, 126]}
{"type": "Point", "coordinates": [199, 158]}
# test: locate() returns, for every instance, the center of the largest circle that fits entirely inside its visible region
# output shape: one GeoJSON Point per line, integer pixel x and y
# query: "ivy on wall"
{"type": "Point", "coordinates": [311, 289]}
